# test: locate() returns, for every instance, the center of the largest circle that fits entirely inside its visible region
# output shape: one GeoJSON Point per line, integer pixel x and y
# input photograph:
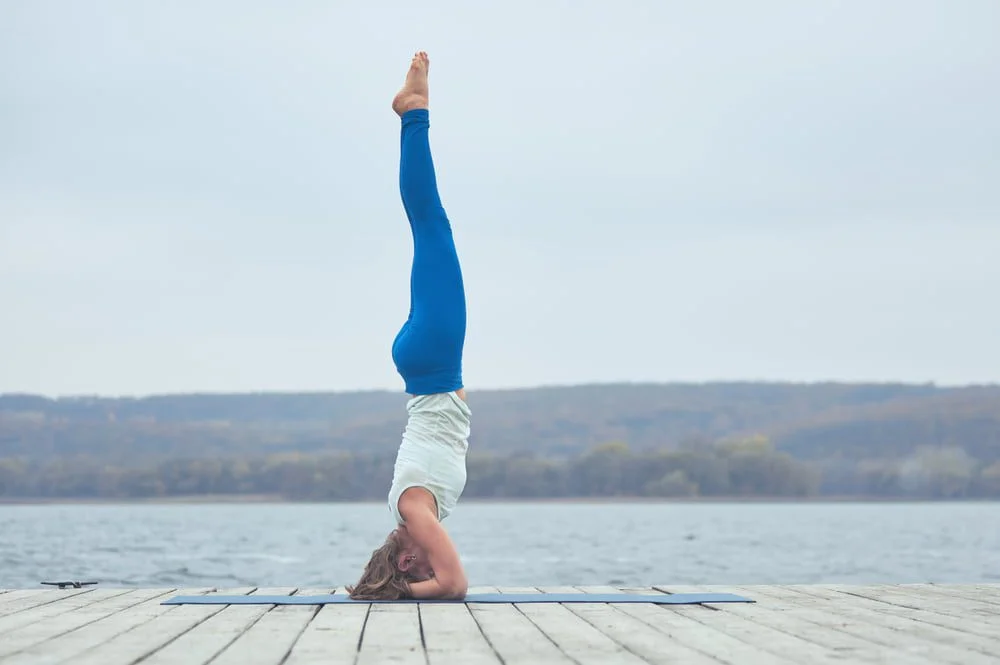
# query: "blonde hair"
{"type": "Point", "coordinates": [382, 578]}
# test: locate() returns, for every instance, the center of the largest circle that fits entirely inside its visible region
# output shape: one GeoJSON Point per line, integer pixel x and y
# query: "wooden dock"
{"type": "Point", "coordinates": [899, 624]}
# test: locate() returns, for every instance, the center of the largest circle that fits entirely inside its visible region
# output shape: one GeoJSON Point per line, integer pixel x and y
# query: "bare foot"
{"type": "Point", "coordinates": [414, 94]}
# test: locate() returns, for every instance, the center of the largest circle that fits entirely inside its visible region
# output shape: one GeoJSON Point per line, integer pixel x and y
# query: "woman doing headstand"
{"type": "Point", "coordinates": [418, 559]}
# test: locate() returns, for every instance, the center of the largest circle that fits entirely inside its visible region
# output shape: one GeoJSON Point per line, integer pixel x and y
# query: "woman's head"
{"type": "Point", "coordinates": [391, 568]}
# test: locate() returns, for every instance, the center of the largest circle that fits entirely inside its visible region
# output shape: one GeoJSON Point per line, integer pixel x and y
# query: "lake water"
{"type": "Point", "coordinates": [507, 544]}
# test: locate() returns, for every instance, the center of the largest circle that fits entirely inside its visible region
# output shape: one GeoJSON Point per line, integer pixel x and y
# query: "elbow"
{"type": "Point", "coordinates": [455, 589]}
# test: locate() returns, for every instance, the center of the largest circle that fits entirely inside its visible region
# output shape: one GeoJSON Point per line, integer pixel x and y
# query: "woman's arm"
{"type": "Point", "coordinates": [432, 588]}
{"type": "Point", "coordinates": [449, 579]}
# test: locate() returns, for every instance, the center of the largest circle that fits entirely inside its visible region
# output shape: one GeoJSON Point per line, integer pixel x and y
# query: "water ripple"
{"type": "Point", "coordinates": [517, 544]}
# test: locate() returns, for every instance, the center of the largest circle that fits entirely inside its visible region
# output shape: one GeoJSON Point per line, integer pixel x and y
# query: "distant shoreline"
{"type": "Point", "coordinates": [274, 499]}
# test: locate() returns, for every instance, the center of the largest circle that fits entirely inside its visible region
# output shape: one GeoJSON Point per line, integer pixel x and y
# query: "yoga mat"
{"type": "Point", "coordinates": [659, 599]}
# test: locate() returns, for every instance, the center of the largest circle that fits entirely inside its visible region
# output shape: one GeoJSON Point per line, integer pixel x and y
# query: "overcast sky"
{"type": "Point", "coordinates": [202, 196]}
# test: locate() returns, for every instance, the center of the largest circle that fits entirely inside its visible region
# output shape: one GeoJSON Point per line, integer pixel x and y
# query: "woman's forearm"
{"type": "Point", "coordinates": [433, 588]}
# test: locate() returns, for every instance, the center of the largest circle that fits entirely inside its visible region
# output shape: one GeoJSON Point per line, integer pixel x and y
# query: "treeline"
{"type": "Point", "coordinates": [812, 422]}
{"type": "Point", "coordinates": [734, 401]}
{"type": "Point", "coordinates": [739, 469]}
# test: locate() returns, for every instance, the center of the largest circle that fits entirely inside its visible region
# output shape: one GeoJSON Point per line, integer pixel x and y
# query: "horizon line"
{"type": "Point", "coordinates": [523, 388]}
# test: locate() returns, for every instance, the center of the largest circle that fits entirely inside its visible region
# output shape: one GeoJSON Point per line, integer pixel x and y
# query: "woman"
{"type": "Point", "coordinates": [418, 559]}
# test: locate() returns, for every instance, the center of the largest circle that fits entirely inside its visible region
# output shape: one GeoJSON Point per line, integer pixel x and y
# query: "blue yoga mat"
{"type": "Point", "coordinates": [327, 599]}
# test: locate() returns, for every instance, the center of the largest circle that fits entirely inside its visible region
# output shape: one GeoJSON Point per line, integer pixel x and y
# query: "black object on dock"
{"type": "Point", "coordinates": [65, 585]}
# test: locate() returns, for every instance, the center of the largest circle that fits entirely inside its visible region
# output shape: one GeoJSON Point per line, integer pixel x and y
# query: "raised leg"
{"type": "Point", "coordinates": [428, 350]}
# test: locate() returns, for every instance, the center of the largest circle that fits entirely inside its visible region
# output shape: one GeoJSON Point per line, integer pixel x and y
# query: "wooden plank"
{"type": "Point", "coordinates": [452, 634]}
{"type": "Point", "coordinates": [30, 598]}
{"type": "Point", "coordinates": [126, 636]}
{"type": "Point", "coordinates": [392, 633]}
{"type": "Point", "coordinates": [270, 639]}
{"type": "Point", "coordinates": [333, 636]}
{"type": "Point", "coordinates": [896, 634]}
{"type": "Point", "coordinates": [986, 625]}
{"type": "Point", "coordinates": [17, 594]}
{"type": "Point", "coordinates": [47, 611]}
{"type": "Point", "coordinates": [825, 630]}
{"type": "Point", "coordinates": [335, 632]}
{"type": "Point", "coordinates": [512, 637]}
{"type": "Point", "coordinates": [690, 630]}
{"type": "Point", "coordinates": [976, 593]}
{"type": "Point", "coordinates": [215, 634]}
{"type": "Point", "coordinates": [770, 631]}
{"type": "Point", "coordinates": [729, 638]}
{"type": "Point", "coordinates": [936, 601]}
{"type": "Point", "coordinates": [652, 645]}
{"type": "Point", "coordinates": [974, 630]}
{"type": "Point", "coordinates": [134, 635]}
{"type": "Point", "coordinates": [70, 635]}
{"type": "Point", "coordinates": [576, 638]}
{"type": "Point", "coordinates": [975, 620]}
{"type": "Point", "coordinates": [48, 627]}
